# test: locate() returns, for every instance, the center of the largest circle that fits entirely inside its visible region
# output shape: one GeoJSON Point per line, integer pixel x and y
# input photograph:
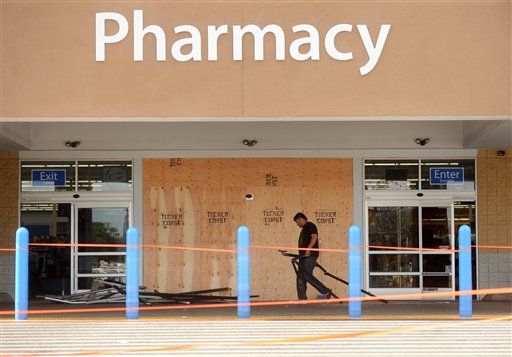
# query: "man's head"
{"type": "Point", "coordinates": [301, 219]}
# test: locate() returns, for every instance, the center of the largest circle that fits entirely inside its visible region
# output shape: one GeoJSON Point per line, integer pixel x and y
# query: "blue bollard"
{"type": "Point", "coordinates": [21, 275]}
{"type": "Point", "coordinates": [243, 272]}
{"type": "Point", "coordinates": [465, 283]}
{"type": "Point", "coordinates": [354, 271]}
{"type": "Point", "coordinates": [132, 274]}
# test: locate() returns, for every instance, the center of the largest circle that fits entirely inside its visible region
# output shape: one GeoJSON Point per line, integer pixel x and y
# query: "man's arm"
{"type": "Point", "coordinates": [314, 238]}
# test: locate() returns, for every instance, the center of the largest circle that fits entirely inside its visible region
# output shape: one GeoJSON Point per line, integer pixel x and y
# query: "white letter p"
{"type": "Point", "coordinates": [101, 38]}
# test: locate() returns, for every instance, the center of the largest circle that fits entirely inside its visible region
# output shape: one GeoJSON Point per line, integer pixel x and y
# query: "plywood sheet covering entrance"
{"type": "Point", "coordinates": [201, 203]}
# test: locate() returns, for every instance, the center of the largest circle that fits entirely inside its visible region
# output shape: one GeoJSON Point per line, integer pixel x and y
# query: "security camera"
{"type": "Point", "coordinates": [422, 141]}
{"type": "Point", "coordinates": [249, 143]}
{"type": "Point", "coordinates": [249, 197]}
{"type": "Point", "coordinates": [72, 144]}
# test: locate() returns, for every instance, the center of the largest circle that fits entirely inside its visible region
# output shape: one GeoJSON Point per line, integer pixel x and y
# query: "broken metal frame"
{"type": "Point", "coordinates": [107, 291]}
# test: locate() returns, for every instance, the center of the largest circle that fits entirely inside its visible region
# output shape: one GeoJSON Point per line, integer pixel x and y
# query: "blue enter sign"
{"type": "Point", "coordinates": [444, 175]}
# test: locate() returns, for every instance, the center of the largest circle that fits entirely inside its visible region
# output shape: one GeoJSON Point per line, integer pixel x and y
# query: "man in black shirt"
{"type": "Point", "coordinates": [308, 239]}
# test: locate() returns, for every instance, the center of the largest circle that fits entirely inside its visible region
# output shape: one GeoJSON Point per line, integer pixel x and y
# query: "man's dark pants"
{"type": "Point", "coordinates": [305, 275]}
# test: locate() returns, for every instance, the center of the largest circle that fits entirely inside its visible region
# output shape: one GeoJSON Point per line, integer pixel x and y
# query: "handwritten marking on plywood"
{"type": "Point", "coordinates": [162, 239]}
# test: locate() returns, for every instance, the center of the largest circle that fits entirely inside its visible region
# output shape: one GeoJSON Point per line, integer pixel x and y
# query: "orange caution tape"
{"type": "Point", "coordinates": [21, 248]}
{"type": "Point", "coordinates": [412, 249]}
{"type": "Point", "coordinates": [94, 245]}
{"type": "Point", "coordinates": [98, 245]}
{"type": "Point", "coordinates": [177, 247]}
{"type": "Point", "coordinates": [492, 246]}
{"type": "Point", "coordinates": [189, 248]}
{"type": "Point", "coordinates": [130, 246]}
{"type": "Point", "coordinates": [244, 250]}
{"type": "Point", "coordinates": [355, 248]}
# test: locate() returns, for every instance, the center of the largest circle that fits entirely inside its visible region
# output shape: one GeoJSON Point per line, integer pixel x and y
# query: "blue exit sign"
{"type": "Point", "coordinates": [444, 175]}
{"type": "Point", "coordinates": [49, 177]}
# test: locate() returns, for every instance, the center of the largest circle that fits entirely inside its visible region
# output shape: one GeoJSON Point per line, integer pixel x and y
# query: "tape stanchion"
{"type": "Point", "coordinates": [465, 283]}
{"type": "Point", "coordinates": [132, 274]}
{"type": "Point", "coordinates": [354, 272]}
{"type": "Point", "coordinates": [243, 273]}
{"type": "Point", "coordinates": [21, 275]}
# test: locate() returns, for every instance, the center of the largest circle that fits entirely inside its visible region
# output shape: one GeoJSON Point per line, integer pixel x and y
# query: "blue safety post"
{"type": "Point", "coordinates": [243, 272]}
{"type": "Point", "coordinates": [465, 283]}
{"type": "Point", "coordinates": [132, 274]}
{"type": "Point", "coordinates": [354, 272]}
{"type": "Point", "coordinates": [21, 275]}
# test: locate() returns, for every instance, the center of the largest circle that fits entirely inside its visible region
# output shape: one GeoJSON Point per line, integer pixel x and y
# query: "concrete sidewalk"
{"type": "Point", "coordinates": [250, 337]}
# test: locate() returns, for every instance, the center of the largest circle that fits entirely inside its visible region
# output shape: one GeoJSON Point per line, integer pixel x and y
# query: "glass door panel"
{"type": "Point", "coordinates": [437, 233]}
{"type": "Point", "coordinates": [437, 271]}
{"type": "Point", "coordinates": [390, 229]}
{"type": "Point", "coordinates": [100, 224]}
{"type": "Point", "coordinates": [394, 281]}
{"type": "Point", "coordinates": [394, 263]}
{"type": "Point", "coordinates": [436, 227]}
{"type": "Point", "coordinates": [395, 227]}
{"type": "Point", "coordinates": [465, 213]}
{"type": "Point", "coordinates": [49, 266]}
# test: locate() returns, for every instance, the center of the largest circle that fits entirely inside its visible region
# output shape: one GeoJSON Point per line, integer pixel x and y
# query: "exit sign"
{"type": "Point", "coordinates": [49, 177]}
{"type": "Point", "coordinates": [445, 175]}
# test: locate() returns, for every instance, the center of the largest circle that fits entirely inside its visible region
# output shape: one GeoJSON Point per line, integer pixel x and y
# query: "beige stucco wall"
{"type": "Point", "coordinates": [9, 192]}
{"type": "Point", "coordinates": [9, 197]}
{"type": "Point", "coordinates": [449, 58]}
{"type": "Point", "coordinates": [495, 218]}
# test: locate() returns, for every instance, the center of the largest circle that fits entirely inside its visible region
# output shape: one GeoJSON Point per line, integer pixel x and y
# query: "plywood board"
{"type": "Point", "coordinates": [201, 203]}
